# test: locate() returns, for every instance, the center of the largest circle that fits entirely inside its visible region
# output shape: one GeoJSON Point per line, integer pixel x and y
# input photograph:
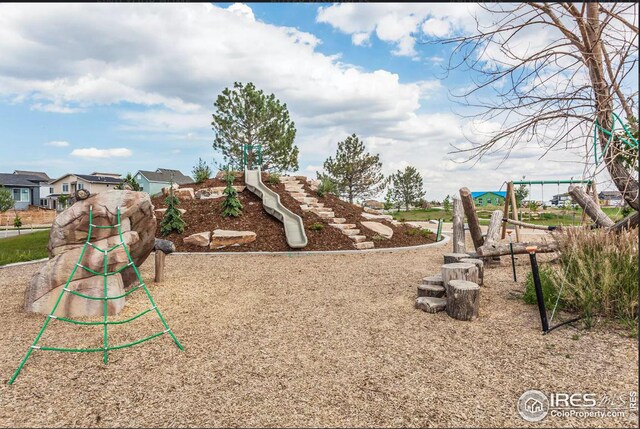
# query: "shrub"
{"type": "Point", "coordinates": [378, 237]}
{"type": "Point", "coordinates": [231, 205]}
{"type": "Point", "coordinates": [201, 171]}
{"type": "Point", "coordinates": [548, 281]}
{"type": "Point", "coordinates": [425, 232]}
{"type": "Point", "coordinates": [326, 186]}
{"type": "Point", "coordinates": [17, 222]}
{"type": "Point", "coordinates": [273, 179]}
{"type": "Point", "coordinates": [172, 220]}
{"type": "Point", "coordinates": [317, 226]}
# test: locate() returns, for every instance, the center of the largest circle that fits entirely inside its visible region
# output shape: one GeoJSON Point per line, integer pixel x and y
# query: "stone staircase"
{"type": "Point", "coordinates": [310, 204]}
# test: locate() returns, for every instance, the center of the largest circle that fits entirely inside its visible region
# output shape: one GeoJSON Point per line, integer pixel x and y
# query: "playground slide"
{"type": "Point", "coordinates": [293, 226]}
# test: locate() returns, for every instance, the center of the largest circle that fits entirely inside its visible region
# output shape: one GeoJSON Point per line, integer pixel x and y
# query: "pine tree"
{"type": "Point", "coordinates": [201, 171]}
{"type": "Point", "coordinates": [172, 220]}
{"type": "Point", "coordinates": [231, 205]}
{"type": "Point", "coordinates": [407, 186]}
{"type": "Point", "coordinates": [355, 172]}
{"type": "Point", "coordinates": [246, 116]}
{"type": "Point", "coordinates": [129, 180]}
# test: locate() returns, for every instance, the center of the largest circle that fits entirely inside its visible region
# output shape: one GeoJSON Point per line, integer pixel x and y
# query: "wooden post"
{"type": "Point", "coordinates": [458, 226]}
{"type": "Point", "coordinates": [494, 227]}
{"type": "Point", "coordinates": [160, 255]}
{"type": "Point", "coordinates": [514, 208]}
{"type": "Point", "coordinates": [499, 249]}
{"type": "Point", "coordinates": [505, 211]}
{"type": "Point", "coordinates": [590, 207]}
{"type": "Point", "coordinates": [472, 217]}
{"type": "Point", "coordinates": [463, 300]}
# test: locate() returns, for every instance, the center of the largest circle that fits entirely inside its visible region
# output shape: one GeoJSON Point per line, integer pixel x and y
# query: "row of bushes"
{"type": "Point", "coordinates": [596, 276]}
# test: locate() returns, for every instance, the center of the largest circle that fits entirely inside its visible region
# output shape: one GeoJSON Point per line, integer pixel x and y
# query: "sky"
{"type": "Point", "coordinates": [127, 87]}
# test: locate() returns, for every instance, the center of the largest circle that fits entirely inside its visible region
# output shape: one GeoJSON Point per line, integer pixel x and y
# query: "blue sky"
{"type": "Point", "coordinates": [115, 87]}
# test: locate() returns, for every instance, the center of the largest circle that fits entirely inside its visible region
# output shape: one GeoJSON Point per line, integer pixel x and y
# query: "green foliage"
{"type": "Point", "coordinates": [172, 220]}
{"type": "Point", "coordinates": [548, 281]}
{"type": "Point", "coordinates": [17, 222]}
{"type": "Point", "coordinates": [21, 248]}
{"type": "Point", "coordinates": [63, 199]}
{"type": "Point", "coordinates": [356, 173]}
{"type": "Point", "coordinates": [273, 179]}
{"type": "Point", "coordinates": [6, 200]}
{"type": "Point", "coordinates": [245, 115]}
{"type": "Point", "coordinates": [317, 226]}
{"type": "Point", "coordinates": [521, 193]}
{"type": "Point", "coordinates": [425, 232]}
{"type": "Point", "coordinates": [201, 171]}
{"type": "Point", "coordinates": [407, 186]}
{"type": "Point", "coordinates": [379, 237]}
{"type": "Point", "coordinates": [446, 204]}
{"type": "Point", "coordinates": [327, 185]}
{"type": "Point", "coordinates": [129, 180]}
{"type": "Point", "coordinates": [231, 205]}
{"type": "Point", "coordinates": [388, 199]}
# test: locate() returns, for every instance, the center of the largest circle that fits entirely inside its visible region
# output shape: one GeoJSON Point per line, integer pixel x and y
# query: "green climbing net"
{"type": "Point", "coordinates": [105, 298]}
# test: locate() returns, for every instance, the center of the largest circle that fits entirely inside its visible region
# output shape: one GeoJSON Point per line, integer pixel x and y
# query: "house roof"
{"type": "Point", "coordinates": [164, 175]}
{"type": "Point", "coordinates": [503, 194]}
{"type": "Point", "coordinates": [97, 173]}
{"type": "Point", "coordinates": [609, 194]}
{"type": "Point", "coordinates": [91, 178]}
{"type": "Point", "coordinates": [23, 180]}
{"type": "Point", "coordinates": [41, 174]}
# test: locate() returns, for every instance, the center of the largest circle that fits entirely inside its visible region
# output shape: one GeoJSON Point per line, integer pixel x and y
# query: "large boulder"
{"type": "Point", "coordinates": [67, 237]}
{"type": "Point", "coordinates": [222, 238]}
{"type": "Point", "coordinates": [378, 228]}
{"type": "Point", "coordinates": [199, 239]}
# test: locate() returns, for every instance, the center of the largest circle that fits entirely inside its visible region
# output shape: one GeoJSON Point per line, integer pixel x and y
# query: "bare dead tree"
{"type": "Point", "coordinates": [547, 72]}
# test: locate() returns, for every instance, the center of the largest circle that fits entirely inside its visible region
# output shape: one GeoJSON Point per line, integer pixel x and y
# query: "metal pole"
{"type": "Point", "coordinates": [538, 286]}
{"type": "Point", "coordinates": [439, 233]}
{"type": "Point", "coordinates": [513, 259]}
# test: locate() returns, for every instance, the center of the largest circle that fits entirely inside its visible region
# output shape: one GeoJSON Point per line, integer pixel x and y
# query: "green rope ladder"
{"type": "Point", "coordinates": [627, 139]}
{"type": "Point", "coordinates": [105, 274]}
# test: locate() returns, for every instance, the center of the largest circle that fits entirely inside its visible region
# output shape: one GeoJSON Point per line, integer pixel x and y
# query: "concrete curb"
{"type": "Point", "coordinates": [17, 264]}
{"type": "Point", "coordinates": [442, 242]}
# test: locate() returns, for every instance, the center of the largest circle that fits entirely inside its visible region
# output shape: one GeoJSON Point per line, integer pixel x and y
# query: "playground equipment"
{"type": "Point", "coordinates": [625, 137]}
{"type": "Point", "coordinates": [293, 225]}
{"type": "Point", "coordinates": [510, 202]}
{"type": "Point", "coordinates": [104, 298]}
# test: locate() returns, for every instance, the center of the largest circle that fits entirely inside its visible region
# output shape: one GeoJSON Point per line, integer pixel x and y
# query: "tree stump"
{"type": "Point", "coordinates": [458, 271]}
{"type": "Point", "coordinates": [160, 255]}
{"type": "Point", "coordinates": [436, 291]}
{"type": "Point", "coordinates": [433, 280]}
{"type": "Point", "coordinates": [472, 217]}
{"type": "Point", "coordinates": [430, 304]}
{"type": "Point", "coordinates": [450, 258]}
{"type": "Point", "coordinates": [479, 265]}
{"type": "Point", "coordinates": [463, 300]}
{"type": "Point", "coordinates": [458, 226]}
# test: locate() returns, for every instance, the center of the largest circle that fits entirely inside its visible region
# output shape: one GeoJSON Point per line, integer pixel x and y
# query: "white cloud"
{"type": "Point", "coordinates": [361, 39]}
{"type": "Point", "coordinates": [242, 10]}
{"type": "Point", "coordinates": [93, 152]}
{"type": "Point", "coordinates": [57, 143]}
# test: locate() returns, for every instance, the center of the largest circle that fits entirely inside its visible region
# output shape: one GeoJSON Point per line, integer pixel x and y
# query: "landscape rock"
{"type": "Point", "coordinates": [199, 239]}
{"type": "Point", "coordinates": [165, 190]}
{"type": "Point", "coordinates": [372, 211]}
{"type": "Point", "coordinates": [378, 228]}
{"type": "Point", "coordinates": [185, 193]}
{"type": "Point", "coordinates": [377, 216]}
{"type": "Point", "coordinates": [215, 192]}
{"type": "Point", "coordinates": [222, 238]}
{"type": "Point", "coordinates": [69, 233]}
{"type": "Point", "coordinates": [431, 304]}
{"type": "Point", "coordinates": [165, 246]}
{"type": "Point", "coordinates": [364, 245]}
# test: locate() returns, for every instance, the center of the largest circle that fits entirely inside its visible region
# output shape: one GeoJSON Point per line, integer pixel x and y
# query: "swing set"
{"type": "Point", "coordinates": [510, 210]}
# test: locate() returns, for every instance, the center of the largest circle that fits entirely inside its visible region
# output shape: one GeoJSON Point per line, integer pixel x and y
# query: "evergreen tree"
{"type": "Point", "coordinates": [407, 186]}
{"type": "Point", "coordinates": [521, 192]}
{"type": "Point", "coordinates": [172, 220]}
{"type": "Point", "coordinates": [201, 171]}
{"type": "Point", "coordinates": [355, 172]}
{"type": "Point", "coordinates": [231, 205]}
{"type": "Point", "coordinates": [446, 204]}
{"type": "Point", "coordinates": [246, 116]}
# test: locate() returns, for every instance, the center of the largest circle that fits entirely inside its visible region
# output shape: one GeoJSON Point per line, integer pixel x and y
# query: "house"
{"type": "Point", "coordinates": [71, 182]}
{"type": "Point", "coordinates": [152, 182]}
{"type": "Point", "coordinates": [560, 199]}
{"type": "Point", "coordinates": [611, 198]}
{"type": "Point", "coordinates": [24, 188]}
{"type": "Point", "coordinates": [489, 198]}
{"type": "Point", "coordinates": [45, 189]}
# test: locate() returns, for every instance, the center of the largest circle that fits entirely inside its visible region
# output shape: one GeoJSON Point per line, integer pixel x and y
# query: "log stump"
{"type": "Point", "coordinates": [436, 291]}
{"type": "Point", "coordinates": [430, 304]}
{"type": "Point", "coordinates": [458, 271]}
{"type": "Point", "coordinates": [450, 258]}
{"type": "Point", "coordinates": [479, 265]}
{"type": "Point", "coordinates": [432, 280]}
{"type": "Point", "coordinates": [463, 300]}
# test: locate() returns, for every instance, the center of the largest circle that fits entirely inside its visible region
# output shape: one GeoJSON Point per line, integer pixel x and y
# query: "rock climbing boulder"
{"type": "Point", "coordinates": [68, 235]}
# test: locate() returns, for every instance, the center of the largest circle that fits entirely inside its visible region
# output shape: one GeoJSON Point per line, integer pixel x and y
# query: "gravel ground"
{"type": "Point", "coordinates": [316, 340]}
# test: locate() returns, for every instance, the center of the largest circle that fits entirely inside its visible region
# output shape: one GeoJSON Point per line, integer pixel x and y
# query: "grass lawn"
{"type": "Point", "coordinates": [541, 217]}
{"type": "Point", "coordinates": [25, 247]}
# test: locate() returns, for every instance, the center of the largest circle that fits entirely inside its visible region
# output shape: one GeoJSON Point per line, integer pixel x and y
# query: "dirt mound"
{"type": "Point", "coordinates": [205, 215]}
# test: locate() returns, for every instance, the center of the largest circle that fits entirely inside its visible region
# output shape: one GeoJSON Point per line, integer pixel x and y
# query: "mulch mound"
{"type": "Point", "coordinates": [205, 215]}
